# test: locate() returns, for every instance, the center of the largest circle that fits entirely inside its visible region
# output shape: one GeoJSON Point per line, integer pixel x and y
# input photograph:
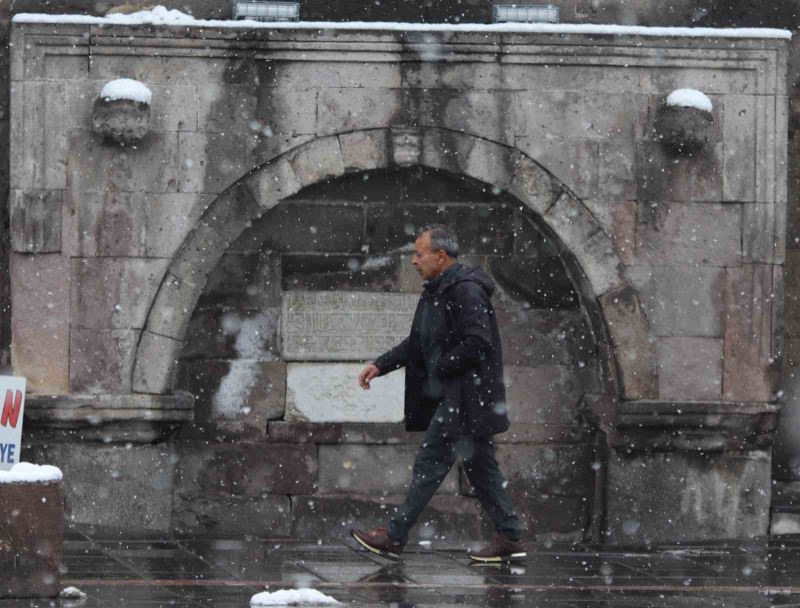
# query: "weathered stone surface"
{"type": "Point", "coordinates": [245, 470]}
{"type": "Point", "coordinates": [35, 221]}
{"type": "Point", "coordinates": [171, 309]}
{"type": "Point", "coordinates": [585, 238]}
{"type": "Point", "coordinates": [344, 326]}
{"type": "Point", "coordinates": [690, 497]}
{"type": "Point", "coordinates": [751, 369]}
{"type": "Point", "coordinates": [487, 114]}
{"type": "Point", "coordinates": [237, 397]}
{"type": "Point", "coordinates": [446, 517]}
{"type": "Point", "coordinates": [663, 176]}
{"type": "Point", "coordinates": [101, 360]}
{"type": "Point", "coordinates": [114, 292]}
{"type": "Point", "coordinates": [569, 114]}
{"type": "Point", "coordinates": [538, 282]}
{"type": "Point", "coordinates": [150, 167]}
{"type": "Point", "coordinates": [199, 254]}
{"type": "Point", "coordinates": [225, 107]}
{"type": "Point", "coordinates": [406, 146]}
{"type": "Point", "coordinates": [324, 228]}
{"type": "Point", "coordinates": [104, 224]}
{"type": "Point", "coordinates": [618, 219]}
{"type": "Point", "coordinates": [155, 366]}
{"type": "Point", "coordinates": [490, 163]}
{"type": "Point", "coordinates": [341, 110]}
{"type": "Point", "coordinates": [547, 394]}
{"type": "Point", "coordinates": [116, 486]}
{"type": "Point", "coordinates": [532, 185]}
{"type": "Point", "coordinates": [123, 121]}
{"type": "Point", "coordinates": [633, 349]}
{"type": "Point", "coordinates": [218, 333]}
{"type": "Point", "coordinates": [763, 233]}
{"type": "Point", "coordinates": [372, 470]}
{"type": "Point", "coordinates": [680, 233]}
{"type": "Point", "coordinates": [442, 149]}
{"type": "Point", "coordinates": [685, 130]}
{"type": "Point", "coordinates": [273, 182]}
{"type": "Point", "coordinates": [365, 150]}
{"type": "Point", "coordinates": [574, 162]}
{"type": "Point", "coordinates": [170, 219]}
{"type": "Point", "coordinates": [40, 321]}
{"type": "Point", "coordinates": [232, 212]}
{"type": "Point", "coordinates": [738, 177]}
{"type": "Point", "coordinates": [209, 162]}
{"type": "Point", "coordinates": [330, 393]}
{"type": "Point", "coordinates": [616, 179]}
{"type": "Point", "coordinates": [317, 161]}
{"type": "Point", "coordinates": [792, 289]}
{"type": "Point", "coordinates": [681, 300]}
{"type": "Point", "coordinates": [31, 535]}
{"type": "Point", "coordinates": [331, 272]}
{"type": "Point", "coordinates": [689, 369]}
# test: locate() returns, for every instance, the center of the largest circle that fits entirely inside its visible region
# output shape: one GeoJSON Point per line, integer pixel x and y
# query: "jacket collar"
{"type": "Point", "coordinates": [445, 279]}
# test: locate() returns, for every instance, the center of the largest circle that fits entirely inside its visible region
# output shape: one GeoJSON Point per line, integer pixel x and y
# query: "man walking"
{"type": "Point", "coordinates": [454, 390]}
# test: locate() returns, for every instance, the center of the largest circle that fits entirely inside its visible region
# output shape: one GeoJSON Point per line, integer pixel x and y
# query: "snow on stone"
{"type": "Point", "coordinates": [689, 98]}
{"type": "Point", "coordinates": [72, 593]}
{"type": "Point", "coordinates": [25, 472]}
{"type": "Point", "coordinates": [293, 597]}
{"type": "Point", "coordinates": [125, 88]}
{"type": "Point", "coordinates": [163, 16]}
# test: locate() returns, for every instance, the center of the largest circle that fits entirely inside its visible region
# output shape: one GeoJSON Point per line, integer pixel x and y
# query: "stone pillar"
{"type": "Point", "coordinates": [31, 536]}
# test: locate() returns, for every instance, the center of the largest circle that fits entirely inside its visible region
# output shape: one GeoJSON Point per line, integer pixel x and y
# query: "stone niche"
{"type": "Point", "coordinates": [322, 284]}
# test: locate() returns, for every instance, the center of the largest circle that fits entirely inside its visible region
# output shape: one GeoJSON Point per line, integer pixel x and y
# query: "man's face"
{"type": "Point", "coordinates": [428, 263]}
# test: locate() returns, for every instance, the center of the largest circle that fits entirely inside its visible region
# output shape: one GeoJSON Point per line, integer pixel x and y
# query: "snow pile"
{"type": "Point", "coordinates": [689, 98]}
{"type": "Point", "coordinates": [163, 16]}
{"type": "Point", "coordinates": [125, 88]}
{"type": "Point", "coordinates": [72, 593]}
{"type": "Point", "coordinates": [25, 472]}
{"type": "Point", "coordinates": [293, 597]}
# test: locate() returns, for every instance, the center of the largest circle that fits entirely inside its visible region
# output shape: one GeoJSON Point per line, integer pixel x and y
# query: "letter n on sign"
{"type": "Point", "coordinates": [12, 407]}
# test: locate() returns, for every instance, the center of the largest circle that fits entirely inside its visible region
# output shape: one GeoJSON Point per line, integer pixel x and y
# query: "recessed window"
{"type": "Point", "coordinates": [266, 11]}
{"type": "Point", "coordinates": [513, 13]}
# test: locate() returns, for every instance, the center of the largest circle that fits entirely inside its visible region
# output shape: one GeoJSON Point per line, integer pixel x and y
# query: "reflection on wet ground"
{"type": "Point", "coordinates": [226, 573]}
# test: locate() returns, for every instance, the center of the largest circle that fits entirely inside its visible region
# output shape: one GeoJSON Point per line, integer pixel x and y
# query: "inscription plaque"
{"type": "Point", "coordinates": [343, 325]}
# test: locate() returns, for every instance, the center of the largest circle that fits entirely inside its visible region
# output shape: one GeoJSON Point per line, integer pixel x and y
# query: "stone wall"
{"type": "Point", "coordinates": [674, 257]}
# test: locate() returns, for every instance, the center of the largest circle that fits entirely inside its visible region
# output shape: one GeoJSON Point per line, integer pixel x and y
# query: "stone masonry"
{"type": "Point", "coordinates": [674, 262]}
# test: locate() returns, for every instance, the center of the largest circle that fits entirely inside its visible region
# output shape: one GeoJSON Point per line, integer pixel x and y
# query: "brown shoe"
{"type": "Point", "coordinates": [501, 549]}
{"type": "Point", "coordinates": [378, 541]}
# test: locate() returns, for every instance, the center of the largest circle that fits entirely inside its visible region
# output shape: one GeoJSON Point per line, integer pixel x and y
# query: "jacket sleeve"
{"type": "Point", "coordinates": [471, 310]}
{"type": "Point", "coordinates": [393, 359]}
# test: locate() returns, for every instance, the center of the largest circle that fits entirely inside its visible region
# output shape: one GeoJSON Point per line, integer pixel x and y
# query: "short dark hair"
{"type": "Point", "coordinates": [443, 238]}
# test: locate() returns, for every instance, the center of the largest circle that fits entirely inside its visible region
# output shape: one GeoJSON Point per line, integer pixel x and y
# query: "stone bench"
{"type": "Point", "coordinates": [31, 538]}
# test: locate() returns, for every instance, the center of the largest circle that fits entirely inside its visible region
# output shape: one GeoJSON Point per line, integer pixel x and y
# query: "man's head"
{"type": "Point", "coordinates": [435, 250]}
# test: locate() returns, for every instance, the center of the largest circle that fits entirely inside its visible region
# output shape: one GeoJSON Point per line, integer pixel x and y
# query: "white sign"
{"type": "Point", "coordinates": [12, 405]}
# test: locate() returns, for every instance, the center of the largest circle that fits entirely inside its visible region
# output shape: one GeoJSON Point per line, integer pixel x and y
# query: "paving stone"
{"type": "Point", "coordinates": [209, 162]}
{"type": "Point", "coordinates": [101, 360]}
{"type": "Point", "coordinates": [114, 292]}
{"type": "Point", "coordinates": [32, 535]}
{"type": "Point", "coordinates": [123, 487]}
{"type": "Point", "coordinates": [446, 517]}
{"type": "Point", "coordinates": [681, 233]}
{"type": "Point", "coordinates": [689, 498]}
{"type": "Point", "coordinates": [328, 392]}
{"type": "Point", "coordinates": [664, 176]}
{"type": "Point", "coordinates": [151, 166]}
{"type": "Point", "coordinates": [40, 321]}
{"type": "Point", "coordinates": [751, 363]}
{"type": "Point", "coordinates": [35, 221]}
{"type": "Point", "coordinates": [689, 369]}
{"type": "Point", "coordinates": [681, 300]}
{"type": "Point", "coordinates": [372, 470]}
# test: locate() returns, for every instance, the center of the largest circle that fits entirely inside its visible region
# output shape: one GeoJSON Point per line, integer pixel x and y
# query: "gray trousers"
{"type": "Point", "coordinates": [435, 458]}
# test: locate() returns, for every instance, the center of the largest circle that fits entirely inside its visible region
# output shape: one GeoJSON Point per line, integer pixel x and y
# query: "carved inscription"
{"type": "Point", "coordinates": [344, 325]}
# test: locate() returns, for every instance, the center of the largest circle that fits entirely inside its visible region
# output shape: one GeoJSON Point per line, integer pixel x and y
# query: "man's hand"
{"type": "Point", "coordinates": [366, 375]}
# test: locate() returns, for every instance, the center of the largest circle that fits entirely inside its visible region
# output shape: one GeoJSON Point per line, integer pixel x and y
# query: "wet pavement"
{"type": "Point", "coordinates": [227, 573]}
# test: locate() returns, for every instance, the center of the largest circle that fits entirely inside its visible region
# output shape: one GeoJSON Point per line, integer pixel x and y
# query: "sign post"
{"type": "Point", "coordinates": [12, 405]}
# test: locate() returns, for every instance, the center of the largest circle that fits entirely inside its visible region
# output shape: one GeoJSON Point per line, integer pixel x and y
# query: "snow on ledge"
{"type": "Point", "coordinates": [689, 98]}
{"type": "Point", "coordinates": [125, 88]}
{"type": "Point", "coordinates": [162, 16]}
{"type": "Point", "coordinates": [293, 597]}
{"type": "Point", "coordinates": [25, 472]}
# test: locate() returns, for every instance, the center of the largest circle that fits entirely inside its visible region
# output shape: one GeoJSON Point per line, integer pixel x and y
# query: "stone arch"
{"type": "Point", "coordinates": [610, 301]}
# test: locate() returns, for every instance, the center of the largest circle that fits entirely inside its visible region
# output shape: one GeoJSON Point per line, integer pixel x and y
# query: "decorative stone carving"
{"type": "Point", "coordinates": [406, 146]}
{"type": "Point", "coordinates": [123, 121]}
{"type": "Point", "coordinates": [683, 129]}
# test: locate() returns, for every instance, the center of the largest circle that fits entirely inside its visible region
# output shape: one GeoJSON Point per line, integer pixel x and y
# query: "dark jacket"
{"type": "Point", "coordinates": [470, 364]}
